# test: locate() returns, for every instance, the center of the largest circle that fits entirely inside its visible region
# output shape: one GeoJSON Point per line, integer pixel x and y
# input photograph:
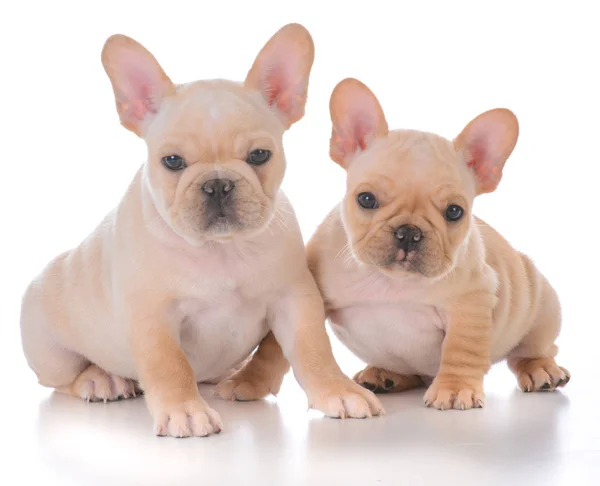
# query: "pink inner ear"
{"type": "Point", "coordinates": [272, 85]}
{"type": "Point", "coordinates": [139, 103]}
{"type": "Point", "coordinates": [134, 110]}
{"type": "Point", "coordinates": [279, 91]}
{"type": "Point", "coordinates": [147, 95]}
{"type": "Point", "coordinates": [476, 154]}
{"type": "Point", "coordinates": [361, 132]}
{"type": "Point", "coordinates": [481, 161]}
{"type": "Point", "coordinates": [139, 88]}
{"type": "Point", "coordinates": [353, 136]}
{"type": "Point", "coordinates": [144, 87]}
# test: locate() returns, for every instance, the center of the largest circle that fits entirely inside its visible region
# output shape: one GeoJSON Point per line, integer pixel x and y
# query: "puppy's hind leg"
{"type": "Point", "coordinates": [260, 376]}
{"type": "Point", "coordinates": [54, 365]}
{"type": "Point", "coordinates": [58, 367]}
{"type": "Point", "coordinates": [379, 380]}
{"type": "Point", "coordinates": [532, 361]}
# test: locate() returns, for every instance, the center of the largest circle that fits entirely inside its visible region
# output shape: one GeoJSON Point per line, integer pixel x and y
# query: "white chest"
{"type": "Point", "coordinates": [217, 335]}
{"type": "Point", "coordinates": [398, 337]}
{"type": "Point", "coordinates": [223, 318]}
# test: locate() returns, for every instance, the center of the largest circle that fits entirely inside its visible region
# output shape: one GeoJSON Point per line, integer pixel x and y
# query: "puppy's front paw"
{"type": "Point", "coordinates": [189, 419]}
{"type": "Point", "coordinates": [460, 396]}
{"type": "Point", "coordinates": [345, 399]}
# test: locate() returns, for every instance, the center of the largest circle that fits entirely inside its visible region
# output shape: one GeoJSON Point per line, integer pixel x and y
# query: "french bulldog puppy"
{"type": "Point", "coordinates": [200, 261]}
{"type": "Point", "coordinates": [416, 285]}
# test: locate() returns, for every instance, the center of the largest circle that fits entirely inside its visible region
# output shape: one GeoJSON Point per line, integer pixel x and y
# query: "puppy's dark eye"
{"type": "Point", "coordinates": [454, 212]}
{"type": "Point", "coordinates": [258, 157]}
{"type": "Point", "coordinates": [174, 162]}
{"type": "Point", "coordinates": [367, 200]}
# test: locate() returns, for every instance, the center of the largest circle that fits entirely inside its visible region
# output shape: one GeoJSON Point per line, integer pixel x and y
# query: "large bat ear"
{"type": "Point", "coordinates": [138, 81]}
{"type": "Point", "coordinates": [357, 120]}
{"type": "Point", "coordinates": [487, 141]}
{"type": "Point", "coordinates": [281, 71]}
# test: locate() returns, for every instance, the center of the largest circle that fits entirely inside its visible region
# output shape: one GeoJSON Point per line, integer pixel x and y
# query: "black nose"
{"type": "Point", "coordinates": [408, 237]}
{"type": "Point", "coordinates": [219, 188]}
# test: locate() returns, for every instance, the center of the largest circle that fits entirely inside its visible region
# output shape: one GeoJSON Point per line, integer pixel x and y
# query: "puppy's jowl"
{"type": "Point", "coordinates": [200, 261]}
{"type": "Point", "coordinates": [413, 283]}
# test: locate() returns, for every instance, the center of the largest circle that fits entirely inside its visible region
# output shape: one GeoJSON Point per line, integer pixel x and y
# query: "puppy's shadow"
{"type": "Point", "coordinates": [515, 428]}
{"type": "Point", "coordinates": [97, 443]}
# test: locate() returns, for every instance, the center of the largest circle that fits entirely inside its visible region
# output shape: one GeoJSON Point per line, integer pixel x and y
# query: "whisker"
{"type": "Point", "coordinates": [342, 250]}
{"type": "Point", "coordinates": [279, 219]}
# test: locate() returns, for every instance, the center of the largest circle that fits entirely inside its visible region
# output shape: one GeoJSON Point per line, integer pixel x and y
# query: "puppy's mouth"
{"type": "Point", "coordinates": [407, 261]}
{"type": "Point", "coordinates": [220, 220]}
{"type": "Point", "coordinates": [406, 265]}
{"type": "Point", "coordinates": [417, 264]}
{"type": "Point", "coordinates": [219, 223]}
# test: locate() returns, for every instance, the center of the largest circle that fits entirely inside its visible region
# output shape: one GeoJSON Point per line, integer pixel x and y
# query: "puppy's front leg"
{"type": "Point", "coordinates": [169, 383]}
{"type": "Point", "coordinates": [298, 322]}
{"type": "Point", "coordinates": [465, 355]}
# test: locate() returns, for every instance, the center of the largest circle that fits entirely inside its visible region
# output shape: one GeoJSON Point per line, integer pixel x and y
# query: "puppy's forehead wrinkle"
{"type": "Point", "coordinates": [406, 159]}
{"type": "Point", "coordinates": [449, 190]}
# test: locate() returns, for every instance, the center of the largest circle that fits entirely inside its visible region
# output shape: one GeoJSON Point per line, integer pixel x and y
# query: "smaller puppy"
{"type": "Point", "coordinates": [414, 284]}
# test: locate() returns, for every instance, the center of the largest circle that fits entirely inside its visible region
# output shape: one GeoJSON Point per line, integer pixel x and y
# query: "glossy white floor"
{"type": "Point", "coordinates": [434, 65]}
{"type": "Point", "coordinates": [543, 438]}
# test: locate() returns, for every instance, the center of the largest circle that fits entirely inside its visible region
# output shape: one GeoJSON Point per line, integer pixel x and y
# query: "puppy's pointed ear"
{"type": "Point", "coordinates": [487, 141]}
{"type": "Point", "coordinates": [281, 71]}
{"type": "Point", "coordinates": [357, 120]}
{"type": "Point", "coordinates": [138, 81]}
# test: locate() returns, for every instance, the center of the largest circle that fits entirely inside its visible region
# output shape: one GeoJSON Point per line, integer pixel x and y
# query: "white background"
{"type": "Point", "coordinates": [65, 162]}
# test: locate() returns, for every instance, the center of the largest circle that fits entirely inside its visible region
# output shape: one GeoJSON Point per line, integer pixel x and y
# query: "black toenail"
{"type": "Point", "coordinates": [368, 386]}
{"type": "Point", "coordinates": [388, 383]}
{"type": "Point", "coordinates": [566, 380]}
{"type": "Point", "coordinates": [545, 386]}
{"type": "Point", "coordinates": [379, 390]}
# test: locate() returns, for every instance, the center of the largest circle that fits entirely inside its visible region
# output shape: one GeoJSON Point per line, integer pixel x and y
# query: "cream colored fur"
{"type": "Point", "coordinates": [462, 298]}
{"type": "Point", "coordinates": [166, 292]}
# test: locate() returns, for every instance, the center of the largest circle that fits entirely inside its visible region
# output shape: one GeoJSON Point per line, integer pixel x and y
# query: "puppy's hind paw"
{"type": "Point", "coordinates": [235, 389]}
{"type": "Point", "coordinates": [96, 385]}
{"type": "Point", "coordinates": [541, 374]}
{"type": "Point", "coordinates": [379, 380]}
{"type": "Point", "coordinates": [249, 383]}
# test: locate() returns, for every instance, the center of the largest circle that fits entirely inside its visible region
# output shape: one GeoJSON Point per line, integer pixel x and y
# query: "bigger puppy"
{"type": "Point", "coordinates": [201, 259]}
{"type": "Point", "coordinates": [414, 284]}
